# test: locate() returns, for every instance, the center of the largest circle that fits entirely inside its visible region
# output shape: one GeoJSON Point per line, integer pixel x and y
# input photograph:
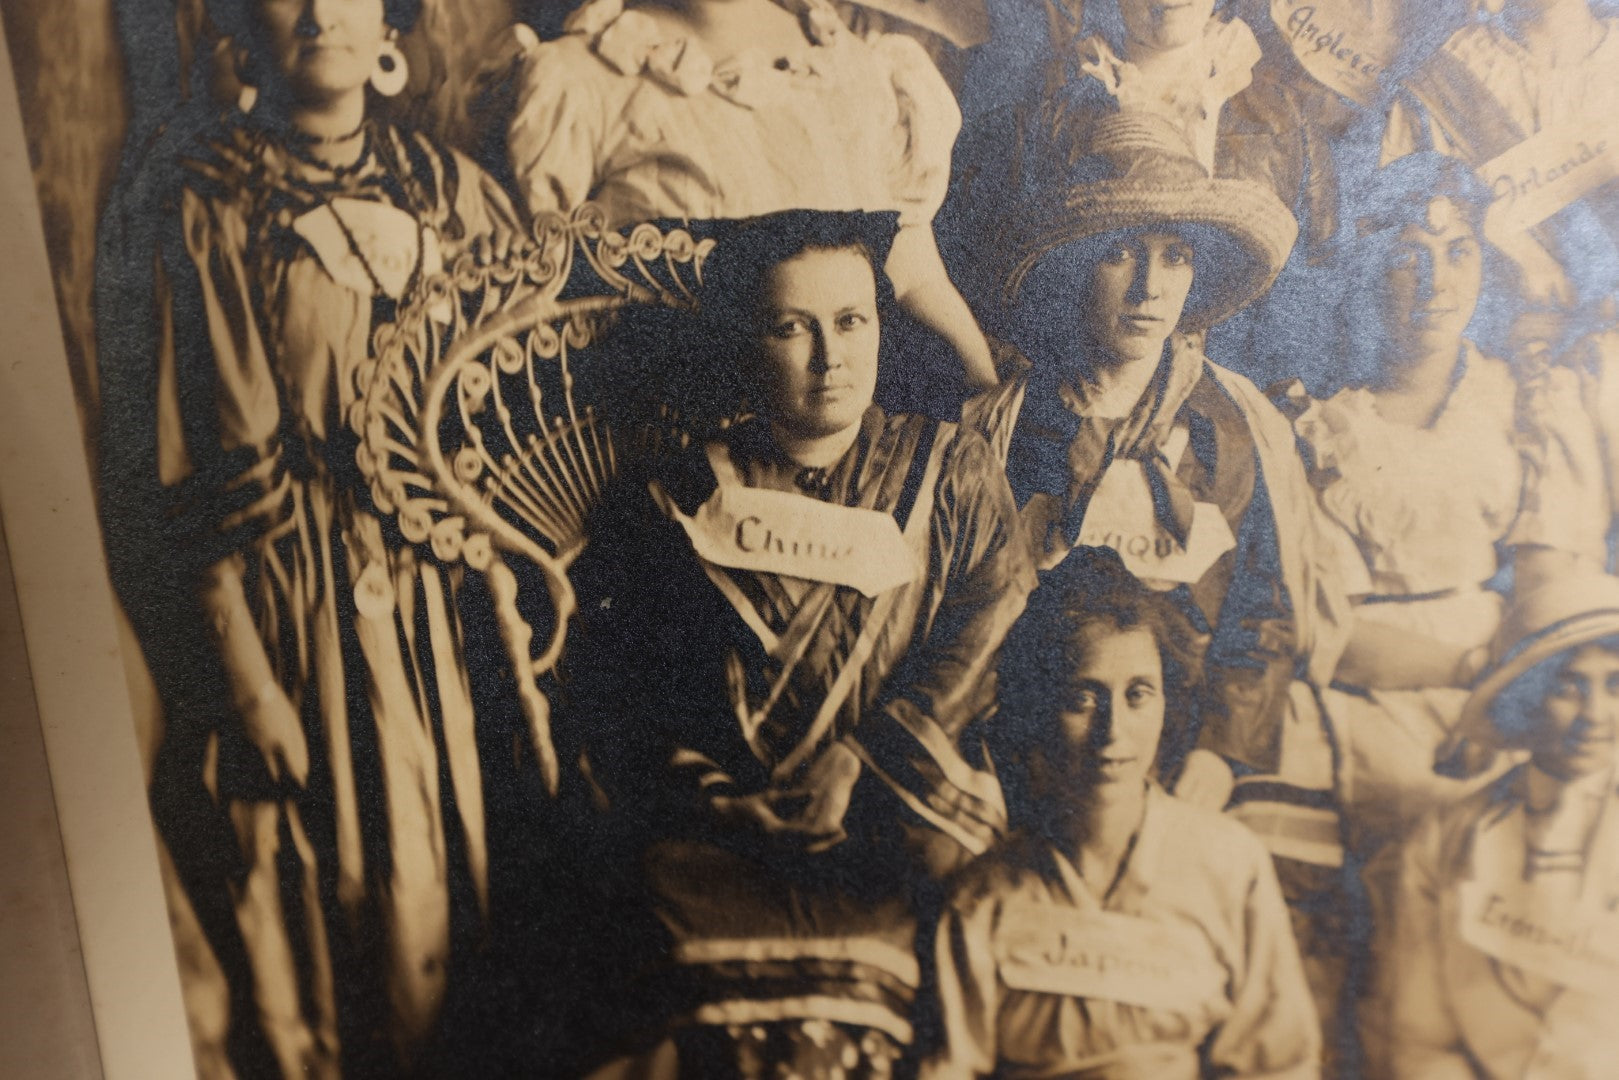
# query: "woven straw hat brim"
{"type": "Point", "coordinates": [1580, 623]}
{"type": "Point", "coordinates": [1262, 228]}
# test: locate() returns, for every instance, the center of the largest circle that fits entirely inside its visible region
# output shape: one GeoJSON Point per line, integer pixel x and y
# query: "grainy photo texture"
{"type": "Point", "coordinates": [909, 538]}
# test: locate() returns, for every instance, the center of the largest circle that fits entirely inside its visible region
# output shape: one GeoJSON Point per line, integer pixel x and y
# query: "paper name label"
{"type": "Point", "coordinates": [1107, 956]}
{"type": "Point", "coordinates": [1121, 516]}
{"type": "Point", "coordinates": [1338, 45]}
{"type": "Point", "coordinates": [779, 532]}
{"type": "Point", "coordinates": [1547, 173]}
{"type": "Point", "coordinates": [1540, 936]}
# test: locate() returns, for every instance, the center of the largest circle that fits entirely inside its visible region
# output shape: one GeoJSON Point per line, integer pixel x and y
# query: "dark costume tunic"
{"type": "Point", "coordinates": [697, 678]}
{"type": "Point", "coordinates": [1204, 440]}
{"type": "Point", "coordinates": [239, 287]}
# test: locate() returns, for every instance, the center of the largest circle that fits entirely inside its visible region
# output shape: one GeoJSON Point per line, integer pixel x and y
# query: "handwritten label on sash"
{"type": "Point", "coordinates": [1549, 936]}
{"type": "Point", "coordinates": [779, 532]}
{"type": "Point", "coordinates": [1107, 956]}
{"type": "Point", "coordinates": [1547, 173]}
{"type": "Point", "coordinates": [1341, 44]}
{"type": "Point", "coordinates": [1120, 516]}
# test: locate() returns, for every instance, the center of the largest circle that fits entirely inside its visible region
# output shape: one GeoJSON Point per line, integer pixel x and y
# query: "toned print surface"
{"type": "Point", "coordinates": [783, 538]}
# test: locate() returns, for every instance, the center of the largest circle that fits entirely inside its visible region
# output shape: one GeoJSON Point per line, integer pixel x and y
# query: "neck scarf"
{"type": "Point", "coordinates": [1061, 448]}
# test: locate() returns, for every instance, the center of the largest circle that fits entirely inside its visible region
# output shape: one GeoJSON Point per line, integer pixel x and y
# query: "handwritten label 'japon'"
{"type": "Point", "coordinates": [1107, 956]}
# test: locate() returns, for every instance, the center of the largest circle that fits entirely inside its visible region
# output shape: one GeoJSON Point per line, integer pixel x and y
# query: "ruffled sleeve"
{"type": "Point", "coordinates": [1325, 438]}
{"type": "Point", "coordinates": [1565, 499]}
{"type": "Point", "coordinates": [559, 128]}
{"type": "Point", "coordinates": [481, 204]}
{"type": "Point", "coordinates": [1272, 1030]}
{"type": "Point", "coordinates": [929, 121]}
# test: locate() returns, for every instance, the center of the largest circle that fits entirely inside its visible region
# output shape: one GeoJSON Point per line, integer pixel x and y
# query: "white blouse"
{"type": "Point", "coordinates": [649, 126]}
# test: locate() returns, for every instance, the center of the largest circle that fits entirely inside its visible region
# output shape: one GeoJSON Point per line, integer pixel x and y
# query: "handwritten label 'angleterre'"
{"type": "Point", "coordinates": [1341, 49]}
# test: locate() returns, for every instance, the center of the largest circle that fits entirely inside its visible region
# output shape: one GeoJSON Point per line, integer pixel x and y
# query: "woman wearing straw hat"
{"type": "Point", "coordinates": [1503, 956]}
{"type": "Point", "coordinates": [1122, 434]}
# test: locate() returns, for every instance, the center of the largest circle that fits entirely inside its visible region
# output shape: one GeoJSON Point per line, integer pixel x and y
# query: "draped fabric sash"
{"type": "Point", "coordinates": [877, 554]}
{"type": "Point", "coordinates": [1117, 484]}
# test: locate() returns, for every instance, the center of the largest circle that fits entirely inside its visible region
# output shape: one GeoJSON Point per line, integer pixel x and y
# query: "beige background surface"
{"type": "Point", "coordinates": [128, 972]}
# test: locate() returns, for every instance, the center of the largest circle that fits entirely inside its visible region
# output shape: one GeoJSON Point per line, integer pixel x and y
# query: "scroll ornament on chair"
{"type": "Point", "coordinates": [470, 435]}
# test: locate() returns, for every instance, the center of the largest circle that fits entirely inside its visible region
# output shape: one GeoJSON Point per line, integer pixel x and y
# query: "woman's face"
{"type": "Point", "coordinates": [1165, 24]}
{"type": "Point", "coordinates": [321, 49]}
{"type": "Point", "coordinates": [816, 367]}
{"type": "Point", "coordinates": [1579, 716]}
{"type": "Point", "coordinates": [1432, 281]}
{"type": "Point", "coordinates": [1112, 714]}
{"type": "Point", "coordinates": [1138, 292]}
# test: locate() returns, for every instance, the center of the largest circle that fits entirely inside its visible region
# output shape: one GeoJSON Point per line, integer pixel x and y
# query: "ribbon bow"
{"type": "Point", "coordinates": [1062, 416]}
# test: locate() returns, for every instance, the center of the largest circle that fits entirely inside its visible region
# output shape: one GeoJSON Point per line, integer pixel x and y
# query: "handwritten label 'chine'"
{"type": "Point", "coordinates": [782, 533]}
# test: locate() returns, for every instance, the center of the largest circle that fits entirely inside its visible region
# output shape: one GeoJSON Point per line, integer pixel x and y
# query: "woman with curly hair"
{"type": "Point", "coordinates": [1121, 932]}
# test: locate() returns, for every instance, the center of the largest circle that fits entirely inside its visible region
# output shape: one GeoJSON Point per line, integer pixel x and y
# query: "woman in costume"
{"type": "Point", "coordinates": [1119, 432]}
{"type": "Point", "coordinates": [1121, 932]}
{"type": "Point", "coordinates": [1522, 91]}
{"type": "Point", "coordinates": [786, 637]}
{"type": "Point", "coordinates": [1432, 464]}
{"type": "Point", "coordinates": [1112, 429]}
{"type": "Point", "coordinates": [310, 659]}
{"type": "Point", "coordinates": [1503, 956]}
{"type": "Point", "coordinates": [708, 109]}
{"type": "Point", "coordinates": [1191, 65]}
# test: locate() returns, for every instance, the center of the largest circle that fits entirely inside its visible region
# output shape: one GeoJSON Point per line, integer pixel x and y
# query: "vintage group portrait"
{"type": "Point", "coordinates": [847, 539]}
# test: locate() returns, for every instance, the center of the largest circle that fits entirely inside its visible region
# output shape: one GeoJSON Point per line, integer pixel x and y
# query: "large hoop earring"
{"type": "Point", "coordinates": [388, 77]}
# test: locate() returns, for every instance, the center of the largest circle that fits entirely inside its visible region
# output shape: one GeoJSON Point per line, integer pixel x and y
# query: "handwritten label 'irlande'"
{"type": "Point", "coordinates": [1535, 175]}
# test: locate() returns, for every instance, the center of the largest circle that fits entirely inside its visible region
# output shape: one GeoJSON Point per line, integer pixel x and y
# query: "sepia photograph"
{"type": "Point", "coordinates": [823, 539]}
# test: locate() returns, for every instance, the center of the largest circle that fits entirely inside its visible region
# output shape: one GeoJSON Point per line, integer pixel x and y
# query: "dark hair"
{"type": "Point", "coordinates": [684, 367]}
{"type": "Point", "coordinates": [1043, 320]}
{"type": "Point", "coordinates": [1375, 213]}
{"type": "Point", "coordinates": [1089, 587]}
{"type": "Point", "coordinates": [233, 18]}
{"type": "Point", "coordinates": [747, 251]}
{"type": "Point", "coordinates": [705, 384]}
{"type": "Point", "coordinates": [1516, 711]}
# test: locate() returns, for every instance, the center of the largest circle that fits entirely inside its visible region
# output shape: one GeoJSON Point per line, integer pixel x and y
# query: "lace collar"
{"type": "Point", "coordinates": [633, 43]}
{"type": "Point", "coordinates": [1217, 68]}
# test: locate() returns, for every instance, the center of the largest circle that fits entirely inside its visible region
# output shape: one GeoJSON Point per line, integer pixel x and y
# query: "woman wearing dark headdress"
{"type": "Point", "coordinates": [785, 640]}
{"type": "Point", "coordinates": [310, 659]}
